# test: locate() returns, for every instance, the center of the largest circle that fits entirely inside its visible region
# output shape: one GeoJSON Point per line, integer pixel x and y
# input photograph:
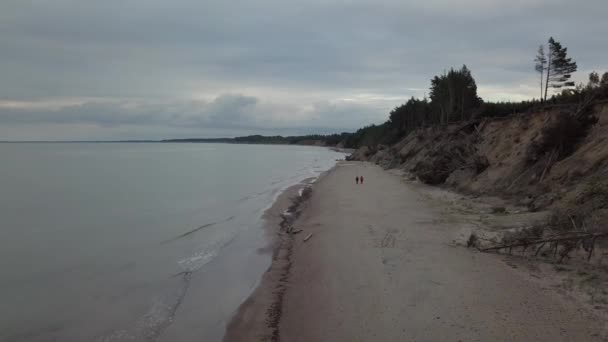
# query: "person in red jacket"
{"type": "Point", "coordinates": [361, 178]}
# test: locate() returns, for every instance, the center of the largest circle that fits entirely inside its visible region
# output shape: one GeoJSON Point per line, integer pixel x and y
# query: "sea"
{"type": "Point", "coordinates": [137, 241]}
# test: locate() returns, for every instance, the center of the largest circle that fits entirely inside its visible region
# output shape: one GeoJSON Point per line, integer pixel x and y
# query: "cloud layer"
{"type": "Point", "coordinates": [232, 67]}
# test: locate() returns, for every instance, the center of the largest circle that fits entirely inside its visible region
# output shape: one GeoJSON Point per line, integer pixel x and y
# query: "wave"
{"type": "Point", "coordinates": [196, 230]}
{"type": "Point", "coordinates": [161, 314]}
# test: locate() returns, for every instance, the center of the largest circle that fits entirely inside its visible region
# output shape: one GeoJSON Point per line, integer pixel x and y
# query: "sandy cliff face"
{"type": "Point", "coordinates": [502, 156]}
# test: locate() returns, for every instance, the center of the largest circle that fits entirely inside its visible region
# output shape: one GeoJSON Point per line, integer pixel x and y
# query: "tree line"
{"type": "Point", "coordinates": [311, 139]}
{"type": "Point", "coordinates": [453, 97]}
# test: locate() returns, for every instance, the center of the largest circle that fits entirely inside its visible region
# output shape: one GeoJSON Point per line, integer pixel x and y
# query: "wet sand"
{"type": "Point", "coordinates": [381, 266]}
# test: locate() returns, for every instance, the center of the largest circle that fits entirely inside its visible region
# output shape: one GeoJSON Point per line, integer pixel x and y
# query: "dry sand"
{"type": "Point", "coordinates": [381, 266]}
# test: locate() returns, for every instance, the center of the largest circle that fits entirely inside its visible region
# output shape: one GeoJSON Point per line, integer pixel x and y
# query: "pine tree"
{"type": "Point", "coordinates": [559, 67]}
{"type": "Point", "coordinates": [594, 80]}
{"type": "Point", "coordinates": [604, 80]}
{"type": "Point", "coordinates": [453, 94]}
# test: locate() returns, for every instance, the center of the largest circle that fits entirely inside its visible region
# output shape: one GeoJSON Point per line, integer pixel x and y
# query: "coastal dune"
{"type": "Point", "coordinates": [381, 265]}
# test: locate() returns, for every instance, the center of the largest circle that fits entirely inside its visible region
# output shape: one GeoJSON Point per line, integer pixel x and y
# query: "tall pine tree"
{"type": "Point", "coordinates": [453, 94]}
{"type": "Point", "coordinates": [559, 67]}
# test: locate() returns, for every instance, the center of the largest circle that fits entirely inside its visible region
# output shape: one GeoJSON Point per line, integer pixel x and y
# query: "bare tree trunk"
{"type": "Point", "coordinates": [548, 73]}
{"type": "Point", "coordinates": [462, 107]}
{"type": "Point", "coordinates": [451, 96]}
{"type": "Point", "coordinates": [541, 85]}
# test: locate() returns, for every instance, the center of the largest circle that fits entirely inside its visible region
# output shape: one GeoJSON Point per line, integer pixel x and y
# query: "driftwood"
{"type": "Point", "coordinates": [547, 166]}
{"type": "Point", "coordinates": [539, 248]}
{"type": "Point", "coordinates": [554, 239]}
{"type": "Point", "coordinates": [307, 237]}
{"type": "Point", "coordinates": [291, 230]}
{"type": "Point", "coordinates": [570, 243]}
{"type": "Point", "coordinates": [591, 248]}
{"type": "Point", "coordinates": [518, 177]}
{"type": "Point", "coordinates": [573, 223]}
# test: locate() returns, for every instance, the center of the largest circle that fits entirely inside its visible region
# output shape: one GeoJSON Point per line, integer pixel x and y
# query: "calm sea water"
{"type": "Point", "coordinates": [136, 242]}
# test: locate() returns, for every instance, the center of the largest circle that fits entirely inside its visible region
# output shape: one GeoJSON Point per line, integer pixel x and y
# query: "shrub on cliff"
{"type": "Point", "coordinates": [451, 150]}
{"type": "Point", "coordinates": [560, 137]}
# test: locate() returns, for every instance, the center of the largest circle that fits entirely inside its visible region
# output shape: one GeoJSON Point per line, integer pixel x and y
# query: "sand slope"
{"type": "Point", "coordinates": [380, 266]}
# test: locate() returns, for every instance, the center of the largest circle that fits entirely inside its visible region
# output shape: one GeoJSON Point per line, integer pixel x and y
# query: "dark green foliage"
{"type": "Point", "coordinates": [604, 80]}
{"type": "Point", "coordinates": [598, 84]}
{"type": "Point", "coordinates": [594, 80]}
{"type": "Point", "coordinates": [596, 89]}
{"type": "Point", "coordinates": [560, 137]}
{"type": "Point", "coordinates": [453, 95]}
{"type": "Point", "coordinates": [499, 109]}
{"type": "Point", "coordinates": [411, 115]}
{"type": "Point", "coordinates": [604, 85]}
{"type": "Point", "coordinates": [371, 136]}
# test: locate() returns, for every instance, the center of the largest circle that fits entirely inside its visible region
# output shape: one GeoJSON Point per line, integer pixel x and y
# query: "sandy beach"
{"type": "Point", "coordinates": [381, 265]}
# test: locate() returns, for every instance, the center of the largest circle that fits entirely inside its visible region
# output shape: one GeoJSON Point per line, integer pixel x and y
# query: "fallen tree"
{"type": "Point", "coordinates": [569, 241]}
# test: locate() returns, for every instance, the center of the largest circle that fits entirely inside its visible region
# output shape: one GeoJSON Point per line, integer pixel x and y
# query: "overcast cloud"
{"type": "Point", "coordinates": [151, 69]}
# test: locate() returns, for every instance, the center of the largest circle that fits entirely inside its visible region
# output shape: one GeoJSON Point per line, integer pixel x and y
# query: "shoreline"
{"type": "Point", "coordinates": [382, 266]}
{"type": "Point", "coordinates": [270, 216]}
{"type": "Point", "coordinates": [260, 313]}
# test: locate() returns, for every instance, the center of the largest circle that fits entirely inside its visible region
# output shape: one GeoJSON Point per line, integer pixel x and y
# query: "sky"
{"type": "Point", "coordinates": [151, 69]}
